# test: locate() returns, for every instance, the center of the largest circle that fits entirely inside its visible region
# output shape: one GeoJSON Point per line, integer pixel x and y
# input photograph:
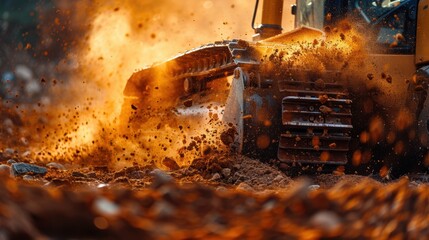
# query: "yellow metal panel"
{"type": "Point", "coordinates": [422, 46]}
{"type": "Point", "coordinates": [272, 12]}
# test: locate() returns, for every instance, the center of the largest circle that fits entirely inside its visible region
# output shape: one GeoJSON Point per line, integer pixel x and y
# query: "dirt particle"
{"type": "Point", "coordinates": [227, 137]}
{"type": "Point", "coordinates": [226, 172]}
{"type": "Point", "coordinates": [170, 163]}
{"type": "Point", "coordinates": [389, 79]}
{"type": "Point", "coordinates": [325, 110]}
{"type": "Point", "coordinates": [319, 84]}
{"type": "Point", "coordinates": [206, 149]}
{"type": "Point", "coordinates": [188, 103]}
{"type": "Point", "coordinates": [328, 17]}
{"type": "Point", "coordinates": [215, 177]}
{"type": "Point", "coordinates": [323, 98]}
{"type": "Point", "coordinates": [327, 29]}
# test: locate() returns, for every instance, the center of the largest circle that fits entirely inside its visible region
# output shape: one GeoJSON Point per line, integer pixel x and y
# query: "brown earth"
{"type": "Point", "coordinates": [217, 197]}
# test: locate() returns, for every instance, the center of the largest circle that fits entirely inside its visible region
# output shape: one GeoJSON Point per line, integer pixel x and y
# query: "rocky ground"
{"type": "Point", "coordinates": [217, 197]}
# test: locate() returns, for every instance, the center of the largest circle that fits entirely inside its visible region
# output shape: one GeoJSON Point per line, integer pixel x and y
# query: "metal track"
{"type": "Point", "coordinates": [199, 65]}
{"type": "Point", "coordinates": [316, 116]}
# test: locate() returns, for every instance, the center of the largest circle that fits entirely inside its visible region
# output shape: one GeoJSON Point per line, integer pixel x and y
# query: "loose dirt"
{"type": "Point", "coordinates": [218, 196]}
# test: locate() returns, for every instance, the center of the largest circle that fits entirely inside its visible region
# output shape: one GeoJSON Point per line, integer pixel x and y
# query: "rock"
{"type": "Point", "coordinates": [326, 220]}
{"type": "Point", "coordinates": [102, 185]}
{"type": "Point", "coordinates": [221, 189]}
{"type": "Point", "coordinates": [9, 151]}
{"type": "Point", "coordinates": [278, 178]}
{"type": "Point", "coordinates": [78, 175]}
{"type": "Point", "coordinates": [215, 177]}
{"type": "Point", "coordinates": [28, 178]}
{"type": "Point", "coordinates": [119, 174]}
{"type": "Point", "coordinates": [4, 168]}
{"type": "Point", "coordinates": [25, 168]}
{"type": "Point", "coordinates": [314, 187]}
{"type": "Point", "coordinates": [269, 205]}
{"type": "Point", "coordinates": [244, 187]}
{"type": "Point", "coordinates": [170, 163]}
{"type": "Point", "coordinates": [136, 175]}
{"type": "Point", "coordinates": [24, 141]}
{"type": "Point", "coordinates": [11, 161]}
{"type": "Point", "coordinates": [227, 137]}
{"type": "Point", "coordinates": [226, 172]}
{"type": "Point", "coordinates": [105, 207]}
{"type": "Point", "coordinates": [8, 123]}
{"type": "Point", "coordinates": [91, 175]}
{"type": "Point", "coordinates": [188, 102]}
{"type": "Point", "coordinates": [24, 72]}
{"type": "Point", "coordinates": [55, 165]}
{"type": "Point", "coordinates": [160, 178]}
{"type": "Point", "coordinates": [300, 189]}
{"type": "Point", "coordinates": [163, 209]}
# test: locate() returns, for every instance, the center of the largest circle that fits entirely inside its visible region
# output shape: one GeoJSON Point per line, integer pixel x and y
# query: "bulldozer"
{"type": "Point", "coordinates": [300, 114]}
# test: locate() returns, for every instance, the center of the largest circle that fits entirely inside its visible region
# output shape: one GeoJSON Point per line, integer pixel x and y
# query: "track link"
{"type": "Point", "coordinates": [316, 118]}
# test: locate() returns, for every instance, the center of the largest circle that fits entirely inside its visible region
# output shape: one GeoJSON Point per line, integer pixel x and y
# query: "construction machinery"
{"type": "Point", "coordinates": [301, 113]}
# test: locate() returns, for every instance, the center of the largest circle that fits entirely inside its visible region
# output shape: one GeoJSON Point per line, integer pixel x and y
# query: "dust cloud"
{"type": "Point", "coordinates": [80, 122]}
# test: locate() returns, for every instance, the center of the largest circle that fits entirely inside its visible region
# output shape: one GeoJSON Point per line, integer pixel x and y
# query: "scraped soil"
{"type": "Point", "coordinates": [217, 197]}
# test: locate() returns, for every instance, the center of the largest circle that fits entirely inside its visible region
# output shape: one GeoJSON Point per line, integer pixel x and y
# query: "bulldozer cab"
{"type": "Point", "coordinates": [391, 24]}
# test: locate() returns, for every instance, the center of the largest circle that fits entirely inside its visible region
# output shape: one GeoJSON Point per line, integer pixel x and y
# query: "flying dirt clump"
{"type": "Point", "coordinates": [333, 52]}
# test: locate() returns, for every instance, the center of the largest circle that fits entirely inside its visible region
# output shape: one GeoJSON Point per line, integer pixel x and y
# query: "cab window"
{"type": "Point", "coordinates": [310, 13]}
{"type": "Point", "coordinates": [392, 24]}
{"type": "Point", "coordinates": [374, 9]}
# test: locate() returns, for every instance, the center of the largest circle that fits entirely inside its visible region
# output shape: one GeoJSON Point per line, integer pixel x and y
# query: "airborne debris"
{"type": "Point", "coordinates": [389, 79]}
{"type": "Point", "coordinates": [170, 163]}
{"type": "Point", "coordinates": [188, 102]}
{"type": "Point", "coordinates": [227, 137]}
{"type": "Point", "coordinates": [325, 110]}
{"type": "Point", "coordinates": [319, 84]}
{"type": "Point", "coordinates": [323, 98]}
